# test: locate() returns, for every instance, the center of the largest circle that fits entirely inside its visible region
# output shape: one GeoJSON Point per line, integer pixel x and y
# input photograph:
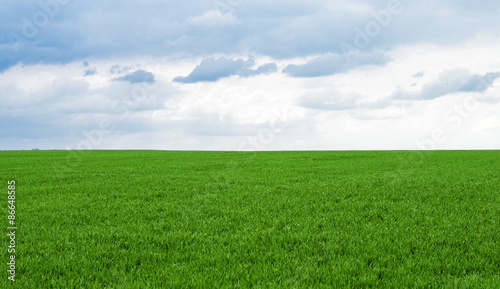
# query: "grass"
{"type": "Point", "coordinates": [155, 219]}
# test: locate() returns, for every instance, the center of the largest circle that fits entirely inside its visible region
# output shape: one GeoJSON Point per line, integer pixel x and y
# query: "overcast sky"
{"type": "Point", "coordinates": [249, 75]}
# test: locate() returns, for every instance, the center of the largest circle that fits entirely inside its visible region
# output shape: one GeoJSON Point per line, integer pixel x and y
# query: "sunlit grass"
{"type": "Point", "coordinates": [152, 219]}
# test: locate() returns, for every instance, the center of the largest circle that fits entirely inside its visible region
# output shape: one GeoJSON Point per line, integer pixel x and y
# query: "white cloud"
{"type": "Point", "coordinates": [489, 123]}
{"type": "Point", "coordinates": [333, 99]}
{"type": "Point", "coordinates": [212, 18]}
{"type": "Point", "coordinates": [330, 103]}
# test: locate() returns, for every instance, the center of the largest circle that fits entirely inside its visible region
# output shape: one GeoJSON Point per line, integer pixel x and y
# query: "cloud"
{"type": "Point", "coordinates": [489, 123]}
{"type": "Point", "coordinates": [264, 69]}
{"type": "Point", "coordinates": [450, 81]}
{"type": "Point", "coordinates": [333, 99]}
{"type": "Point", "coordinates": [118, 69]}
{"type": "Point", "coordinates": [34, 114]}
{"type": "Point", "coordinates": [332, 63]}
{"type": "Point", "coordinates": [42, 66]}
{"type": "Point", "coordinates": [90, 71]}
{"type": "Point", "coordinates": [213, 18]}
{"type": "Point", "coordinates": [281, 29]}
{"type": "Point", "coordinates": [211, 69]}
{"type": "Point", "coordinates": [217, 125]}
{"type": "Point", "coordinates": [419, 74]}
{"type": "Point", "coordinates": [138, 77]}
{"type": "Point", "coordinates": [479, 83]}
{"type": "Point", "coordinates": [62, 108]}
{"type": "Point", "coordinates": [138, 97]}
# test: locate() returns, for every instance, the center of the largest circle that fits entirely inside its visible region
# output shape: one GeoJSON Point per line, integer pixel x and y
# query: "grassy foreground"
{"type": "Point", "coordinates": [153, 219]}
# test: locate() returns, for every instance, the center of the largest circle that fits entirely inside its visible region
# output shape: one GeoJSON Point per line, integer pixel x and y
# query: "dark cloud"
{"type": "Point", "coordinates": [331, 63]}
{"type": "Point", "coordinates": [450, 81]}
{"type": "Point", "coordinates": [212, 69]}
{"type": "Point", "coordinates": [138, 77]}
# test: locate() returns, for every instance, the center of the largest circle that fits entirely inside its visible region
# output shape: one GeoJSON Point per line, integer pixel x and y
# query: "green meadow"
{"type": "Point", "coordinates": [168, 219]}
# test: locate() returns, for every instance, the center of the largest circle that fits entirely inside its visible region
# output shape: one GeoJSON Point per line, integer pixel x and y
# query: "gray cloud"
{"type": "Point", "coordinates": [479, 83]}
{"type": "Point", "coordinates": [138, 77]}
{"type": "Point", "coordinates": [264, 69]}
{"type": "Point", "coordinates": [331, 63]}
{"type": "Point", "coordinates": [212, 69]}
{"type": "Point", "coordinates": [281, 29]}
{"type": "Point", "coordinates": [450, 81]}
{"type": "Point", "coordinates": [90, 71]}
{"type": "Point", "coordinates": [118, 69]}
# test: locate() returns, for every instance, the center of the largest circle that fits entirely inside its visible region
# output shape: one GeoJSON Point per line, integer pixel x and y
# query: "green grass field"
{"type": "Point", "coordinates": [156, 219]}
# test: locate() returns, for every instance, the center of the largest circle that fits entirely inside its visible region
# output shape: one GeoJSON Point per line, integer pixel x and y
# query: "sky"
{"type": "Point", "coordinates": [246, 75]}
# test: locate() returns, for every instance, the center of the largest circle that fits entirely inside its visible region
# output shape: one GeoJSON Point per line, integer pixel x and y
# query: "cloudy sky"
{"type": "Point", "coordinates": [249, 75]}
